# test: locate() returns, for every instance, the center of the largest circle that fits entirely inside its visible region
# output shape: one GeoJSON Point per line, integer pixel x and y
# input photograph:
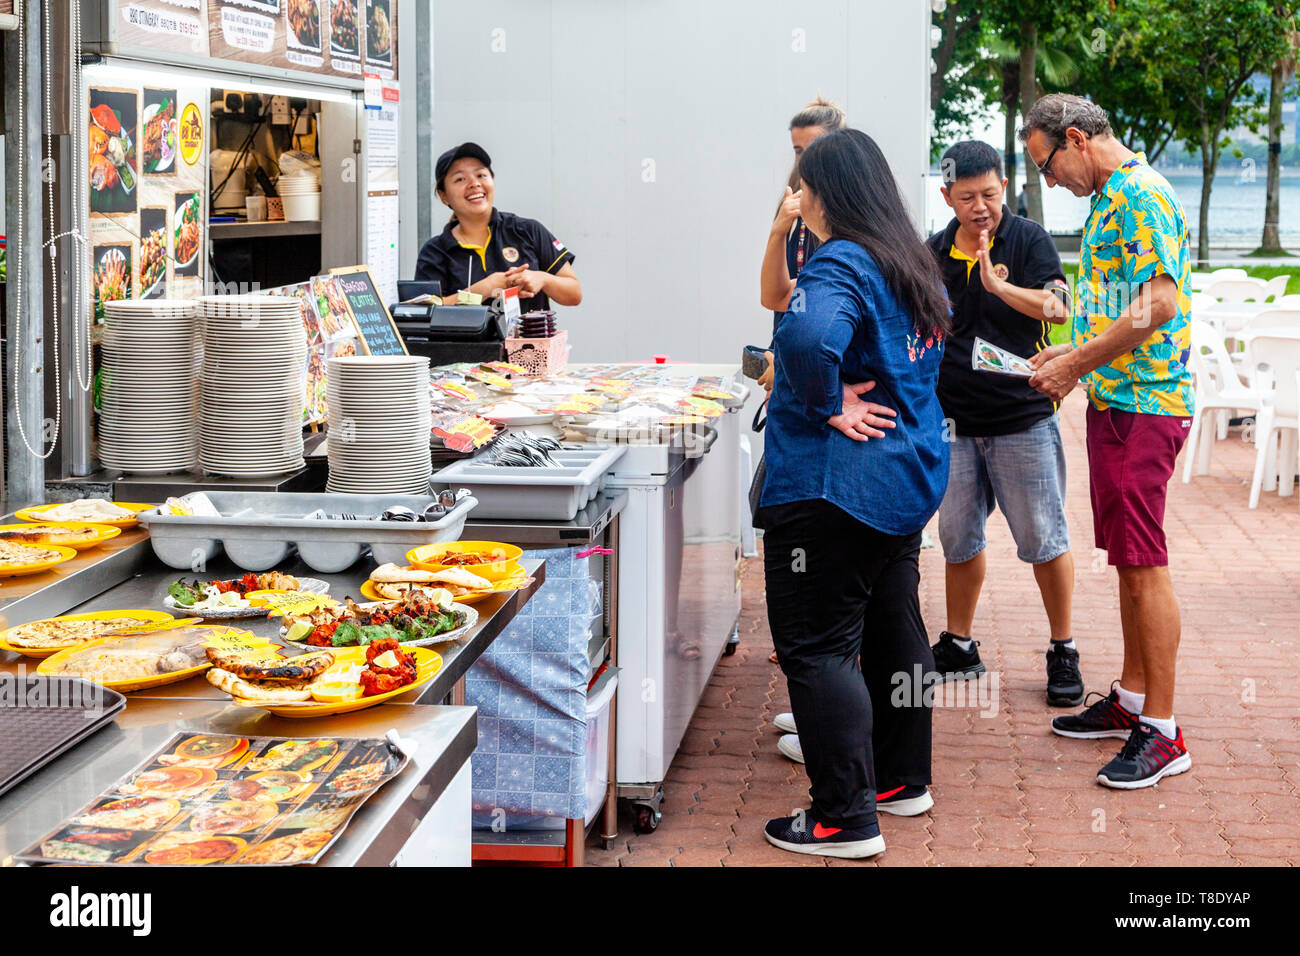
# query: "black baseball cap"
{"type": "Point", "coordinates": [470, 150]}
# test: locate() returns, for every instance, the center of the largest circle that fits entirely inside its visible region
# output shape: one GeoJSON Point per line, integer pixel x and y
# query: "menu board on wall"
{"type": "Point", "coordinates": [340, 38]}
{"type": "Point", "coordinates": [146, 184]}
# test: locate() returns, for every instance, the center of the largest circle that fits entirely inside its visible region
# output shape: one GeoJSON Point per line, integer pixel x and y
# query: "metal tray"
{"type": "Point", "coordinates": [534, 493]}
{"type": "Point", "coordinates": [258, 530]}
{"type": "Point", "coordinates": [37, 733]}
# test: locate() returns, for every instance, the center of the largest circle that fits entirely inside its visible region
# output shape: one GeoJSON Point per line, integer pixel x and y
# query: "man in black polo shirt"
{"type": "Point", "coordinates": [1006, 285]}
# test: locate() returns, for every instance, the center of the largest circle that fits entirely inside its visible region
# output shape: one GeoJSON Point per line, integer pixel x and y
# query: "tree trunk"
{"type": "Point", "coordinates": [1010, 97]}
{"type": "Point", "coordinates": [1271, 241]}
{"type": "Point", "coordinates": [1208, 160]}
{"type": "Point", "coordinates": [1028, 96]}
{"type": "Point", "coordinates": [943, 56]}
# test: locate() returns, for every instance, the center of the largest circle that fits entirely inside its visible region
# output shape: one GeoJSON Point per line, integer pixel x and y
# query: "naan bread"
{"type": "Point", "coordinates": [267, 692]}
{"type": "Point", "coordinates": [20, 554]}
{"type": "Point", "coordinates": [392, 574]}
{"type": "Point", "coordinates": [88, 509]}
{"type": "Point", "coordinates": [63, 633]}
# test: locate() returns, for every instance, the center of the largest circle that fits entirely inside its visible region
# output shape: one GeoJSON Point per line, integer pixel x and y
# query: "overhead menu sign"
{"type": "Point", "coordinates": [337, 38]}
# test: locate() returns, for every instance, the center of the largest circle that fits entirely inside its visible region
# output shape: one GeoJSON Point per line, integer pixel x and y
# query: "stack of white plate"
{"type": "Point", "coordinates": [378, 424]}
{"type": "Point", "coordinates": [251, 385]}
{"type": "Point", "coordinates": [300, 195]}
{"type": "Point", "coordinates": [150, 367]}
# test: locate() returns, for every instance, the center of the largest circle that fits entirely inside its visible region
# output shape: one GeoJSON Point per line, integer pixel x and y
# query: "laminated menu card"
{"type": "Point", "coordinates": [225, 800]}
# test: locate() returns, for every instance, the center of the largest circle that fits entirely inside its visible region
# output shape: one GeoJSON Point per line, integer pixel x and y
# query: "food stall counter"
{"type": "Point", "coordinates": [420, 817]}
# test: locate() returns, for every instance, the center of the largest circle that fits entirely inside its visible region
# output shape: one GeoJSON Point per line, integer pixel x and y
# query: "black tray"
{"type": "Point", "coordinates": [44, 716]}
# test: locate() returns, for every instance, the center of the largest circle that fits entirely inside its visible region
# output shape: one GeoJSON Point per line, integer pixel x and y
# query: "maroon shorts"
{"type": "Point", "coordinates": [1130, 461]}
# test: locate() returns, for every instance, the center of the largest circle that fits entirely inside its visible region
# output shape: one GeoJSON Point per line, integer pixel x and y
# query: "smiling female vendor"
{"type": "Point", "coordinates": [486, 250]}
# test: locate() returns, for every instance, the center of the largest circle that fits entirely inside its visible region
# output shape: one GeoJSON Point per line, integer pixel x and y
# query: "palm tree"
{"type": "Point", "coordinates": [1283, 70]}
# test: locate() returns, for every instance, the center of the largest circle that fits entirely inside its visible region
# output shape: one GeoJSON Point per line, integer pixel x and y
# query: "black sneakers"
{"type": "Point", "coordinates": [1105, 718]}
{"type": "Point", "coordinates": [904, 801]}
{"type": "Point", "coordinates": [952, 663]}
{"type": "Point", "coordinates": [1148, 756]}
{"type": "Point", "coordinates": [802, 834]}
{"type": "Point", "coordinates": [1064, 682]}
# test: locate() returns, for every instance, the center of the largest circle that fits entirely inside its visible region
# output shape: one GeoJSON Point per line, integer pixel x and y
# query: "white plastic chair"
{"type": "Point", "coordinates": [1289, 301]}
{"type": "Point", "coordinates": [1238, 290]}
{"type": "Point", "coordinates": [1272, 319]}
{"type": "Point", "coordinates": [1218, 393]}
{"type": "Point", "coordinates": [1218, 274]}
{"type": "Point", "coordinates": [1277, 365]}
{"type": "Point", "coordinates": [1277, 287]}
{"type": "Point", "coordinates": [1202, 305]}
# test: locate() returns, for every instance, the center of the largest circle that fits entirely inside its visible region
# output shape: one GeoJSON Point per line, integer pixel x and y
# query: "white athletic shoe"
{"type": "Point", "coordinates": [784, 723]}
{"type": "Point", "coordinates": [790, 747]}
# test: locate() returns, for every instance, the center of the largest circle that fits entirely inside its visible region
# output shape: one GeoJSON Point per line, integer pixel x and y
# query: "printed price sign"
{"type": "Point", "coordinates": [297, 603]}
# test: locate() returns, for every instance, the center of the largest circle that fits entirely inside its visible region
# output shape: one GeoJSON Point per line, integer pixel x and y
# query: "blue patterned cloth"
{"type": "Point", "coordinates": [530, 688]}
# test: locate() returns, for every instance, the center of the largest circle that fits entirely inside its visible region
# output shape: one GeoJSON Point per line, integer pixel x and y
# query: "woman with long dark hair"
{"type": "Point", "coordinates": [844, 501]}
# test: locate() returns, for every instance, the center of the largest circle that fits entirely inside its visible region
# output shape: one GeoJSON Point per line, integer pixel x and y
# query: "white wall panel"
{"type": "Point", "coordinates": [588, 93]}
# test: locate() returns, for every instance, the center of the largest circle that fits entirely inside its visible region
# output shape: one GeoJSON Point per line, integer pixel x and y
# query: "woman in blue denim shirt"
{"type": "Point", "coordinates": [850, 484]}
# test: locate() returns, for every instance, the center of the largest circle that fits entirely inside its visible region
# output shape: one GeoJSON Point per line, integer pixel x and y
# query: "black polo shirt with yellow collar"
{"type": "Point", "coordinates": [983, 404]}
{"type": "Point", "coordinates": [512, 241]}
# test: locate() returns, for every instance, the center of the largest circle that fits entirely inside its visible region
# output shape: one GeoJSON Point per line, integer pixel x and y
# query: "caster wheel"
{"type": "Point", "coordinates": [647, 820]}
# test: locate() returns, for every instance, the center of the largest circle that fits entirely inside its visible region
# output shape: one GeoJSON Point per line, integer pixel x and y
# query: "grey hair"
{"type": "Point", "coordinates": [1056, 112]}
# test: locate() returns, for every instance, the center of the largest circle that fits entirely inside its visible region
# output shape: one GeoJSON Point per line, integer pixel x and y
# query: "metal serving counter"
{"type": "Point", "coordinates": [380, 834]}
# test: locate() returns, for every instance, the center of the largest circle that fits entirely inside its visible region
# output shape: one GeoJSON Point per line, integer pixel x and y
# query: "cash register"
{"type": "Point", "coordinates": [447, 333]}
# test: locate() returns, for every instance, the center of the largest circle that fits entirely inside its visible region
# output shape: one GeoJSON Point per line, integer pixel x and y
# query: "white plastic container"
{"type": "Point", "coordinates": [597, 776]}
{"type": "Point", "coordinates": [305, 207]}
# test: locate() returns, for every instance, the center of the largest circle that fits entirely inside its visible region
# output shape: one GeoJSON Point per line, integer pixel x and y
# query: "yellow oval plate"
{"type": "Point", "coordinates": [427, 665]}
{"type": "Point", "coordinates": [35, 513]}
{"type": "Point", "coordinates": [102, 533]}
{"type": "Point", "coordinates": [13, 570]}
{"type": "Point", "coordinates": [42, 652]}
{"type": "Point", "coordinates": [426, 556]}
{"type": "Point", "coordinates": [48, 665]}
{"type": "Point", "coordinates": [511, 584]}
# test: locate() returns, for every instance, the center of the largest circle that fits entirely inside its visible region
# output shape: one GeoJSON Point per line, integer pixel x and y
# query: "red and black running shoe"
{"type": "Point", "coordinates": [904, 801]}
{"type": "Point", "coordinates": [1147, 757]}
{"type": "Point", "coordinates": [1105, 718]}
{"type": "Point", "coordinates": [802, 834]}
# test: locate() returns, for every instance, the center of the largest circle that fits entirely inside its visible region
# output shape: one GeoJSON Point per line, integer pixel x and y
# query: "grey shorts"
{"type": "Point", "coordinates": [1022, 474]}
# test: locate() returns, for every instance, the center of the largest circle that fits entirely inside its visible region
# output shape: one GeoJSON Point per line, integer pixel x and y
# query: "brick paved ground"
{"type": "Point", "coordinates": [1007, 791]}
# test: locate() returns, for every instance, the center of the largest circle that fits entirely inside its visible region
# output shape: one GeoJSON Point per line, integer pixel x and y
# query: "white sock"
{"type": "Point", "coordinates": [965, 645]}
{"type": "Point", "coordinates": [1069, 642]}
{"type": "Point", "coordinates": [1130, 701]}
{"type": "Point", "coordinates": [1168, 727]}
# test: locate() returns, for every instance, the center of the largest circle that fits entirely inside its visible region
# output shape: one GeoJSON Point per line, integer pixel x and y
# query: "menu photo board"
{"type": "Point", "coordinates": [375, 326]}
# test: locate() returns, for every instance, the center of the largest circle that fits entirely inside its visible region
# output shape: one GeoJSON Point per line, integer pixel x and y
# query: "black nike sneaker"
{"type": "Point", "coordinates": [1105, 718]}
{"type": "Point", "coordinates": [1147, 757]}
{"type": "Point", "coordinates": [802, 834]}
{"type": "Point", "coordinates": [904, 801]}
{"type": "Point", "coordinates": [952, 663]}
{"type": "Point", "coordinates": [1064, 682]}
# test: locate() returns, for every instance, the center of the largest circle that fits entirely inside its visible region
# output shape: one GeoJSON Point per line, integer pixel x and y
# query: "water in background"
{"type": "Point", "coordinates": [1236, 207]}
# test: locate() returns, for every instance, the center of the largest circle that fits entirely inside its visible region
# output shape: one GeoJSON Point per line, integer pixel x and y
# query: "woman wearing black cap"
{"type": "Point", "coordinates": [485, 250]}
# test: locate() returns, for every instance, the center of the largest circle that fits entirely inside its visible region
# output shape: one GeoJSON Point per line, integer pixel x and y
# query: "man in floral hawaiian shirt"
{"type": "Point", "coordinates": [1130, 341]}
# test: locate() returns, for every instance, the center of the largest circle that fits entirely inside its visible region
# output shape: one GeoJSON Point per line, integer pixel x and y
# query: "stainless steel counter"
{"type": "Point", "coordinates": [445, 738]}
